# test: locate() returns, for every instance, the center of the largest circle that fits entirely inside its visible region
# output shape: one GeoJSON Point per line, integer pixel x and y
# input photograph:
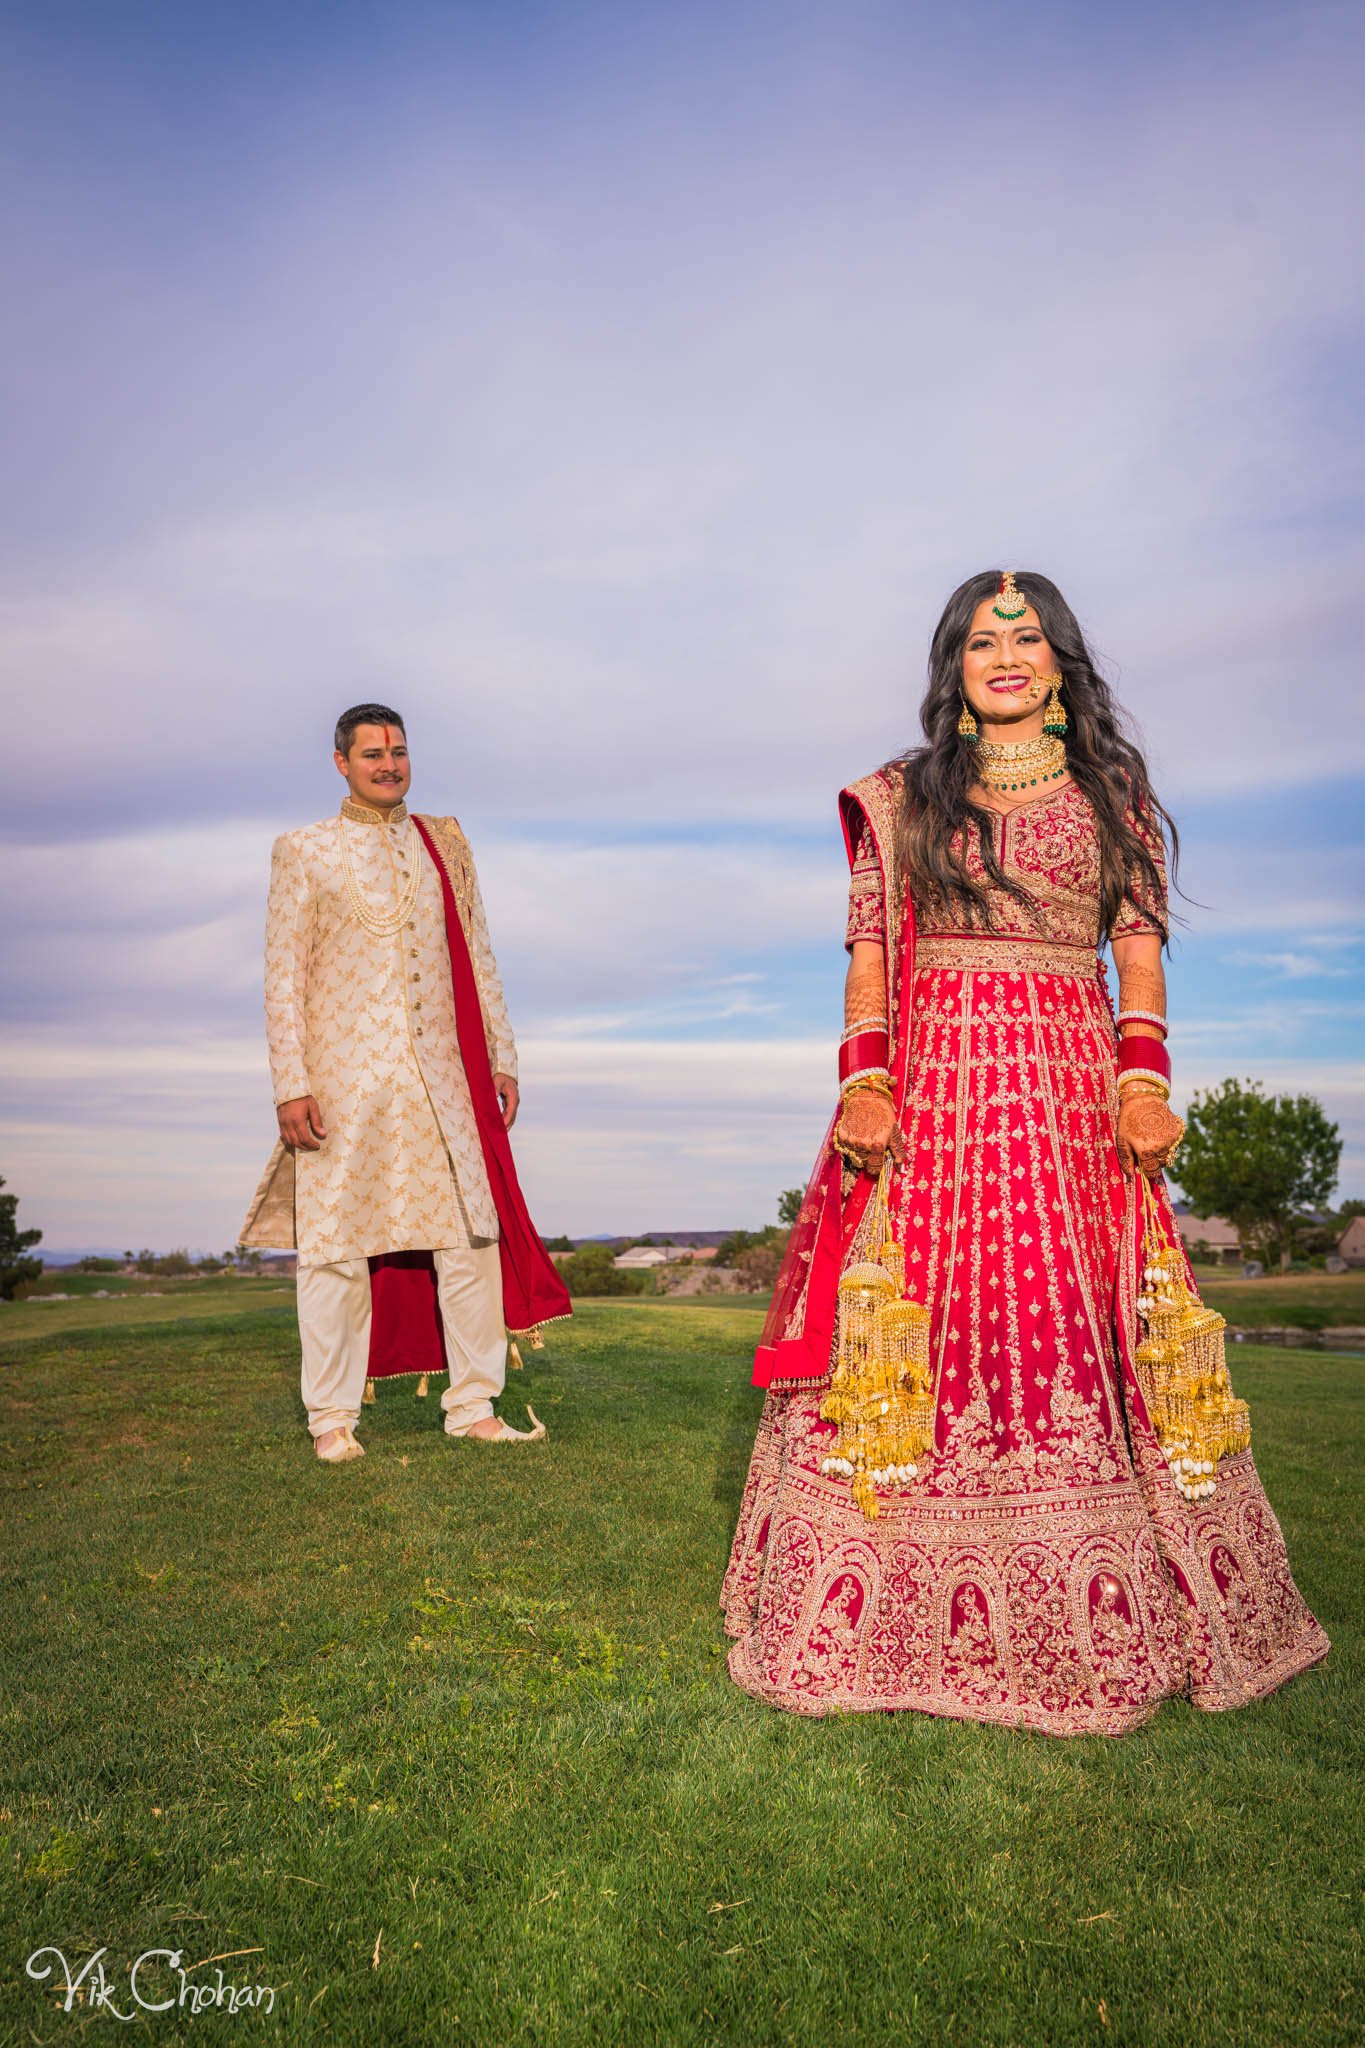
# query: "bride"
{"type": "Point", "coordinates": [1000, 1472]}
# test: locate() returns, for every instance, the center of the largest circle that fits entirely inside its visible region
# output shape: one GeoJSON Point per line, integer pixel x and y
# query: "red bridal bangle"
{"type": "Point", "coordinates": [1147, 1055]}
{"type": "Point", "coordinates": [867, 1052]}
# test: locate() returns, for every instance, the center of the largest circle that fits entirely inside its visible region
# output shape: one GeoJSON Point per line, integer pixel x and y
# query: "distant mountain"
{"type": "Point", "coordinates": [69, 1255]}
{"type": "Point", "coordinates": [54, 1256]}
{"type": "Point", "coordinates": [695, 1238]}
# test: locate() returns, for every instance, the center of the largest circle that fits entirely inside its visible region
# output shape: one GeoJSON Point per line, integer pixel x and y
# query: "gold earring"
{"type": "Point", "coordinates": [1054, 717]}
{"type": "Point", "coordinates": [966, 725]}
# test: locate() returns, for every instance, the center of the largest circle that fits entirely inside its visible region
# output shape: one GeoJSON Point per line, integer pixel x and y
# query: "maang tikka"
{"type": "Point", "coordinates": [1010, 601]}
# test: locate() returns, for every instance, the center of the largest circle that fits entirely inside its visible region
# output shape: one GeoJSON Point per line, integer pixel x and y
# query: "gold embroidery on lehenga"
{"type": "Point", "coordinates": [1042, 1570]}
{"type": "Point", "coordinates": [971, 950]}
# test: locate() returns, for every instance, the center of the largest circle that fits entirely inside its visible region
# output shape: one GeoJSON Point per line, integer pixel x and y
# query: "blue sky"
{"type": "Point", "coordinates": [620, 390]}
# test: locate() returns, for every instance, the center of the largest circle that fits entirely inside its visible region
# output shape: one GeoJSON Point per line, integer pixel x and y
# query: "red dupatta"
{"type": "Point", "coordinates": [405, 1328]}
{"type": "Point", "coordinates": [798, 1335]}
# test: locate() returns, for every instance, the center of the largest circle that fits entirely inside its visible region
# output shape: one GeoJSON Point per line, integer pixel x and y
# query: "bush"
{"type": "Point", "coordinates": [166, 1266]}
{"type": "Point", "coordinates": [591, 1271]}
{"type": "Point", "coordinates": [99, 1265]}
{"type": "Point", "coordinates": [733, 1248]}
{"type": "Point", "coordinates": [760, 1264]}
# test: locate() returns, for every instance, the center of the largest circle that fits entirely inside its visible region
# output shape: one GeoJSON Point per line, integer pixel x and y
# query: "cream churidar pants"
{"type": "Point", "coordinates": [334, 1332]}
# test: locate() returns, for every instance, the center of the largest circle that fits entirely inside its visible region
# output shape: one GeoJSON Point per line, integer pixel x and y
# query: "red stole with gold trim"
{"type": "Point", "coordinates": [405, 1328]}
{"type": "Point", "coordinates": [798, 1336]}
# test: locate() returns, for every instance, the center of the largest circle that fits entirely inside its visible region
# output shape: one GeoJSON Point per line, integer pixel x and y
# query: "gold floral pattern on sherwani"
{"type": "Point", "coordinates": [366, 1024]}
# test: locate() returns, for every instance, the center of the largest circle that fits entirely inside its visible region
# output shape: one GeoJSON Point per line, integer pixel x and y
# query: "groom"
{"type": "Point", "coordinates": [395, 1086]}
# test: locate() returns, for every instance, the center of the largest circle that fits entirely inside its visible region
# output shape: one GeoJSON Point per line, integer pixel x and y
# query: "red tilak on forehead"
{"type": "Point", "coordinates": [387, 742]}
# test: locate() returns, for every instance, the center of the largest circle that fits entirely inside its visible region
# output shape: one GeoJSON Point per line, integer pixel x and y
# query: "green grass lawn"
{"type": "Point", "coordinates": [137, 1303]}
{"type": "Point", "coordinates": [444, 1739]}
{"type": "Point", "coordinates": [1312, 1301]}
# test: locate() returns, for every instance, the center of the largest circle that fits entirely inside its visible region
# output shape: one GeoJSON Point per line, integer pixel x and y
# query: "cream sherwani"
{"type": "Point", "coordinates": [365, 1023]}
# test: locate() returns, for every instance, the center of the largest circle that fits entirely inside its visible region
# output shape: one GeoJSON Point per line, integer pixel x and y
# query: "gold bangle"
{"type": "Point", "coordinates": [1145, 1082]}
{"type": "Point", "coordinates": [875, 1084]}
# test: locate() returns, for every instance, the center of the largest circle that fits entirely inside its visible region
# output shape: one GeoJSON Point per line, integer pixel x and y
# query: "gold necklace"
{"type": "Point", "coordinates": [1010, 765]}
{"type": "Point", "coordinates": [381, 924]}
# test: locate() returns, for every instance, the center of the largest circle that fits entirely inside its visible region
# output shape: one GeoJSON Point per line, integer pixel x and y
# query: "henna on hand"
{"type": "Point", "coordinates": [867, 1130]}
{"type": "Point", "coordinates": [1148, 1133]}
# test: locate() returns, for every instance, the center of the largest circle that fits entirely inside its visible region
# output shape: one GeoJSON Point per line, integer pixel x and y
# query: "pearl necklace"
{"type": "Point", "coordinates": [1019, 764]}
{"type": "Point", "coordinates": [381, 924]}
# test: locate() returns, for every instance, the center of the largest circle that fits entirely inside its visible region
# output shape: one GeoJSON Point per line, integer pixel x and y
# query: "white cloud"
{"type": "Point", "coordinates": [166, 1141]}
{"type": "Point", "coordinates": [632, 452]}
{"type": "Point", "coordinates": [1294, 966]}
{"type": "Point", "coordinates": [662, 528]}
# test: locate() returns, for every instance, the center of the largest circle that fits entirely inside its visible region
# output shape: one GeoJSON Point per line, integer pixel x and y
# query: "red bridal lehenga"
{"type": "Point", "coordinates": [1043, 1570]}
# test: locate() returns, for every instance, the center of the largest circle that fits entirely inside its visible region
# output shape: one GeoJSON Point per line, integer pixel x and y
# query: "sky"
{"type": "Point", "coordinates": [619, 390]}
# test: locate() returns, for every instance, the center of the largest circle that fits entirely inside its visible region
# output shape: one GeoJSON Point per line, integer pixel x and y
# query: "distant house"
{"type": "Point", "coordinates": [1351, 1243]}
{"type": "Point", "coordinates": [1212, 1239]}
{"type": "Point", "coordinates": [641, 1256]}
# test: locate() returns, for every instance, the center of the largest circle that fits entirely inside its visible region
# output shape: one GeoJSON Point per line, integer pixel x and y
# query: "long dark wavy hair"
{"type": "Point", "coordinates": [937, 814]}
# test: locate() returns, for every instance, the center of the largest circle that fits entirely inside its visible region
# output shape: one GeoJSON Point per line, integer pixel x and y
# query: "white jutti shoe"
{"type": "Point", "coordinates": [505, 1433]}
{"type": "Point", "coordinates": [341, 1449]}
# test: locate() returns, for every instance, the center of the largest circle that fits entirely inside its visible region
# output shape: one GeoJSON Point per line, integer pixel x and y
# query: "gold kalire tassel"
{"type": "Point", "coordinates": [1182, 1368]}
{"type": "Point", "coordinates": [879, 1393]}
{"type": "Point", "coordinates": [514, 1357]}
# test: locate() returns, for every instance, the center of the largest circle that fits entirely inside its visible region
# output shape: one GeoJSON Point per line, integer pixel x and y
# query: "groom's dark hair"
{"type": "Point", "coordinates": [364, 714]}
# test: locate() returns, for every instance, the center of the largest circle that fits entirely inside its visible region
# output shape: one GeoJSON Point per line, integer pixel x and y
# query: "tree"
{"type": "Point", "coordinates": [14, 1267]}
{"type": "Point", "coordinates": [592, 1271]}
{"type": "Point", "coordinates": [164, 1265]}
{"type": "Point", "coordinates": [1259, 1160]}
{"type": "Point", "coordinates": [759, 1266]}
{"type": "Point", "coordinates": [789, 1205]}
